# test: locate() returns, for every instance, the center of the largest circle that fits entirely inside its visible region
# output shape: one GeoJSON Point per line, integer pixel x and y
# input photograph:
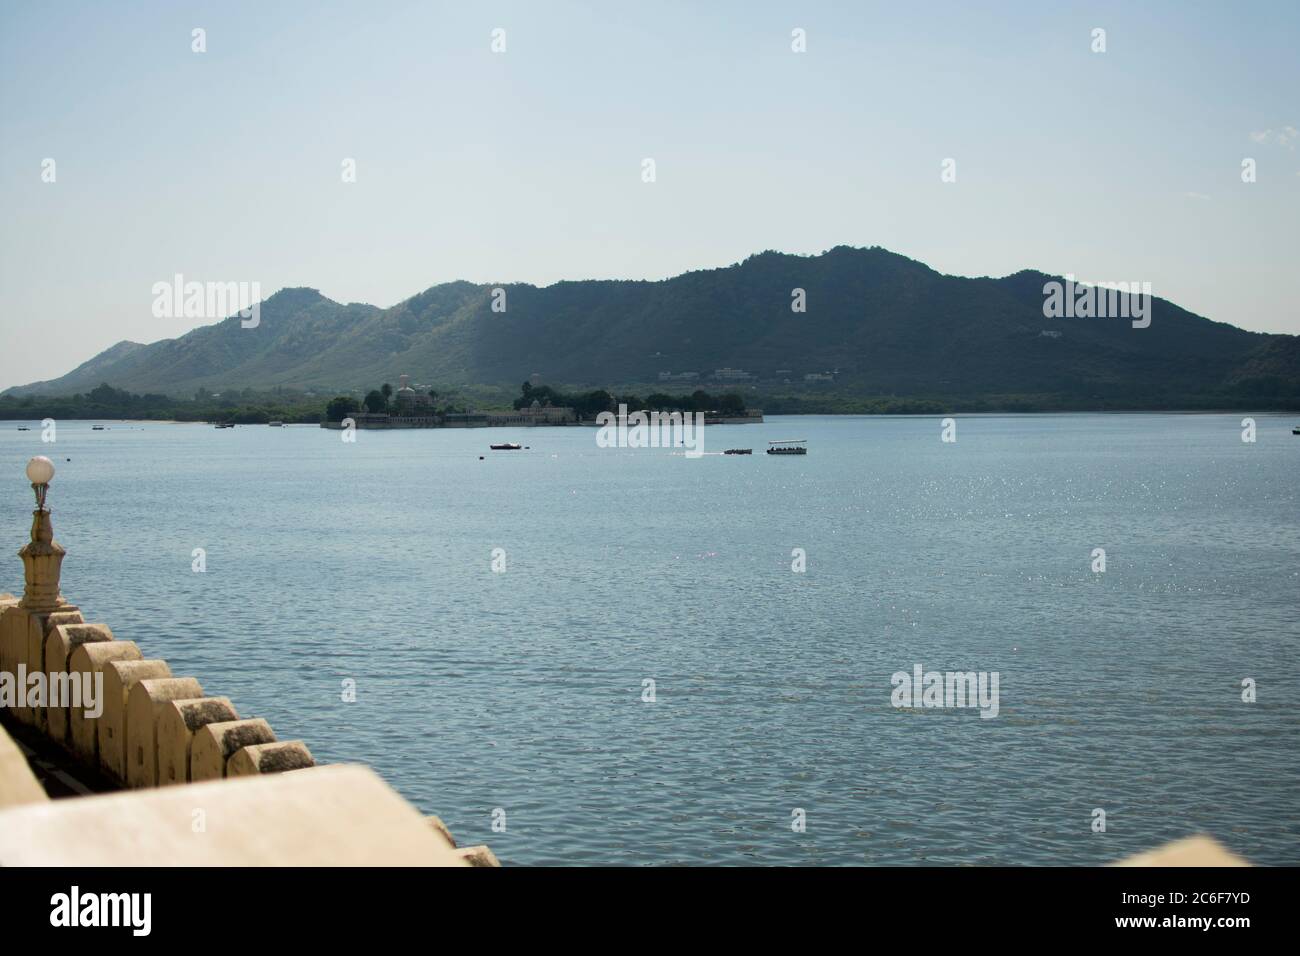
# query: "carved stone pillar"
{"type": "Point", "coordinates": [42, 562]}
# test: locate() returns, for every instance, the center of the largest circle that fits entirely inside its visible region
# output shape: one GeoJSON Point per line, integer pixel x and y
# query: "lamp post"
{"type": "Point", "coordinates": [42, 556]}
{"type": "Point", "coordinates": [40, 472]}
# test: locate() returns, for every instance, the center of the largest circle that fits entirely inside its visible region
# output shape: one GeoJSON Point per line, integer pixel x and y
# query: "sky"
{"type": "Point", "coordinates": [527, 165]}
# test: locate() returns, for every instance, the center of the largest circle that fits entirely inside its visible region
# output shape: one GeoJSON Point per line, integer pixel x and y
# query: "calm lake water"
{"type": "Point", "coordinates": [523, 690]}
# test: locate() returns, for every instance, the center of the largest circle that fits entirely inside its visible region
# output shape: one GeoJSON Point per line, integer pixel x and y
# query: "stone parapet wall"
{"type": "Point", "coordinates": [141, 701]}
{"type": "Point", "coordinates": [158, 730]}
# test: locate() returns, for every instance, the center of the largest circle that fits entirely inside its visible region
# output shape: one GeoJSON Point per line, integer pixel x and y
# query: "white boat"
{"type": "Point", "coordinates": [788, 446]}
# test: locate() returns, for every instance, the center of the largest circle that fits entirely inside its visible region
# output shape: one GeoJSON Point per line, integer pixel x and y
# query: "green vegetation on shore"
{"type": "Point", "coordinates": [249, 407]}
{"type": "Point", "coordinates": [380, 400]}
{"type": "Point", "coordinates": [244, 407]}
{"type": "Point", "coordinates": [588, 405]}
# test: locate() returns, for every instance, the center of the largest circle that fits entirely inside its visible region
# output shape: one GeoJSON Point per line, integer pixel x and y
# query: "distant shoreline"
{"type": "Point", "coordinates": [984, 413]}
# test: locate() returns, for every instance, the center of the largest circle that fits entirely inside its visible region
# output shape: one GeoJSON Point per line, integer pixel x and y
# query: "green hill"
{"type": "Point", "coordinates": [882, 323]}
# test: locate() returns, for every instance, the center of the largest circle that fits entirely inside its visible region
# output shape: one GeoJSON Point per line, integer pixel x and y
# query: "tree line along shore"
{"type": "Point", "coordinates": [252, 407]}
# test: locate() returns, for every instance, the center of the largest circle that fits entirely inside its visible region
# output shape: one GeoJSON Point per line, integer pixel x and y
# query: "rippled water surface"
{"type": "Point", "coordinates": [523, 690]}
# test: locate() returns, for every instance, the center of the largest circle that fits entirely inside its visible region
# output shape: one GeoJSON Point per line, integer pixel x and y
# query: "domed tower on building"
{"type": "Point", "coordinates": [408, 399]}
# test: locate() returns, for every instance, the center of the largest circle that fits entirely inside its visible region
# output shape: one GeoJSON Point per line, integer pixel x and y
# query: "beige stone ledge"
{"type": "Point", "coordinates": [1197, 850]}
{"type": "Point", "coordinates": [18, 785]}
{"type": "Point", "coordinates": [338, 815]}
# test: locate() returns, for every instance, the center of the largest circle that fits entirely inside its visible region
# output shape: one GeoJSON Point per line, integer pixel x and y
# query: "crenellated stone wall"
{"type": "Point", "coordinates": [159, 729]}
{"type": "Point", "coordinates": [143, 701]}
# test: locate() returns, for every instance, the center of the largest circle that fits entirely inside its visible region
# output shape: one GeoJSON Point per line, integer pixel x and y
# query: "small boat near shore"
{"type": "Point", "coordinates": [789, 446]}
{"type": "Point", "coordinates": [506, 446]}
{"type": "Point", "coordinates": [739, 451]}
{"type": "Point", "coordinates": [23, 428]}
{"type": "Point", "coordinates": [224, 425]}
{"type": "Point", "coordinates": [1296, 430]}
{"type": "Point", "coordinates": [275, 424]}
{"type": "Point", "coordinates": [96, 428]}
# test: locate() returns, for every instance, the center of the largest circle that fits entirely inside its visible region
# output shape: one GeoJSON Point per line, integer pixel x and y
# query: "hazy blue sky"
{"type": "Point", "coordinates": [526, 166]}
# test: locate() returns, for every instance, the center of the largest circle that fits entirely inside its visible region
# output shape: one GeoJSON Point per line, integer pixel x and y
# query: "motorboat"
{"type": "Point", "coordinates": [789, 446]}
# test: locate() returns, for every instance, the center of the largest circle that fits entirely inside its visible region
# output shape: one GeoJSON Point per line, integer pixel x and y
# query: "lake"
{"type": "Point", "coordinates": [522, 690]}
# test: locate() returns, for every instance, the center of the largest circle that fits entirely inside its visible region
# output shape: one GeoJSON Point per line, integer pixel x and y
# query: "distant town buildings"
{"type": "Point", "coordinates": [732, 375]}
{"type": "Point", "coordinates": [535, 414]}
{"type": "Point", "coordinates": [729, 374]}
{"type": "Point", "coordinates": [464, 420]}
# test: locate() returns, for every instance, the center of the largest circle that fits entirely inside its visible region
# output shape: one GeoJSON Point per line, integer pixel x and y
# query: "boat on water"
{"type": "Point", "coordinates": [23, 428]}
{"type": "Point", "coordinates": [788, 446]}
{"type": "Point", "coordinates": [224, 425]}
{"type": "Point", "coordinates": [739, 451]}
{"type": "Point", "coordinates": [96, 428]}
{"type": "Point", "coordinates": [1296, 430]}
{"type": "Point", "coordinates": [275, 424]}
{"type": "Point", "coordinates": [506, 446]}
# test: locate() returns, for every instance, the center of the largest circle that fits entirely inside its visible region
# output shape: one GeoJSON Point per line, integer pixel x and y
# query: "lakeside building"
{"type": "Point", "coordinates": [750, 416]}
{"type": "Point", "coordinates": [412, 408]}
{"type": "Point", "coordinates": [536, 414]}
{"type": "Point", "coordinates": [412, 412]}
{"type": "Point", "coordinates": [409, 401]}
{"type": "Point", "coordinates": [732, 375]}
{"type": "Point", "coordinates": [415, 409]}
{"type": "Point", "coordinates": [524, 417]}
{"type": "Point", "coordinates": [465, 420]}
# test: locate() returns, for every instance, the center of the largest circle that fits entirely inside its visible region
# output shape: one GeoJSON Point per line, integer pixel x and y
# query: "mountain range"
{"type": "Point", "coordinates": [877, 322]}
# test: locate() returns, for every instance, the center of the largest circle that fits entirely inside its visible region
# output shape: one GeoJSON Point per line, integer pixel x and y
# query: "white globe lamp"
{"type": "Point", "coordinates": [40, 472]}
